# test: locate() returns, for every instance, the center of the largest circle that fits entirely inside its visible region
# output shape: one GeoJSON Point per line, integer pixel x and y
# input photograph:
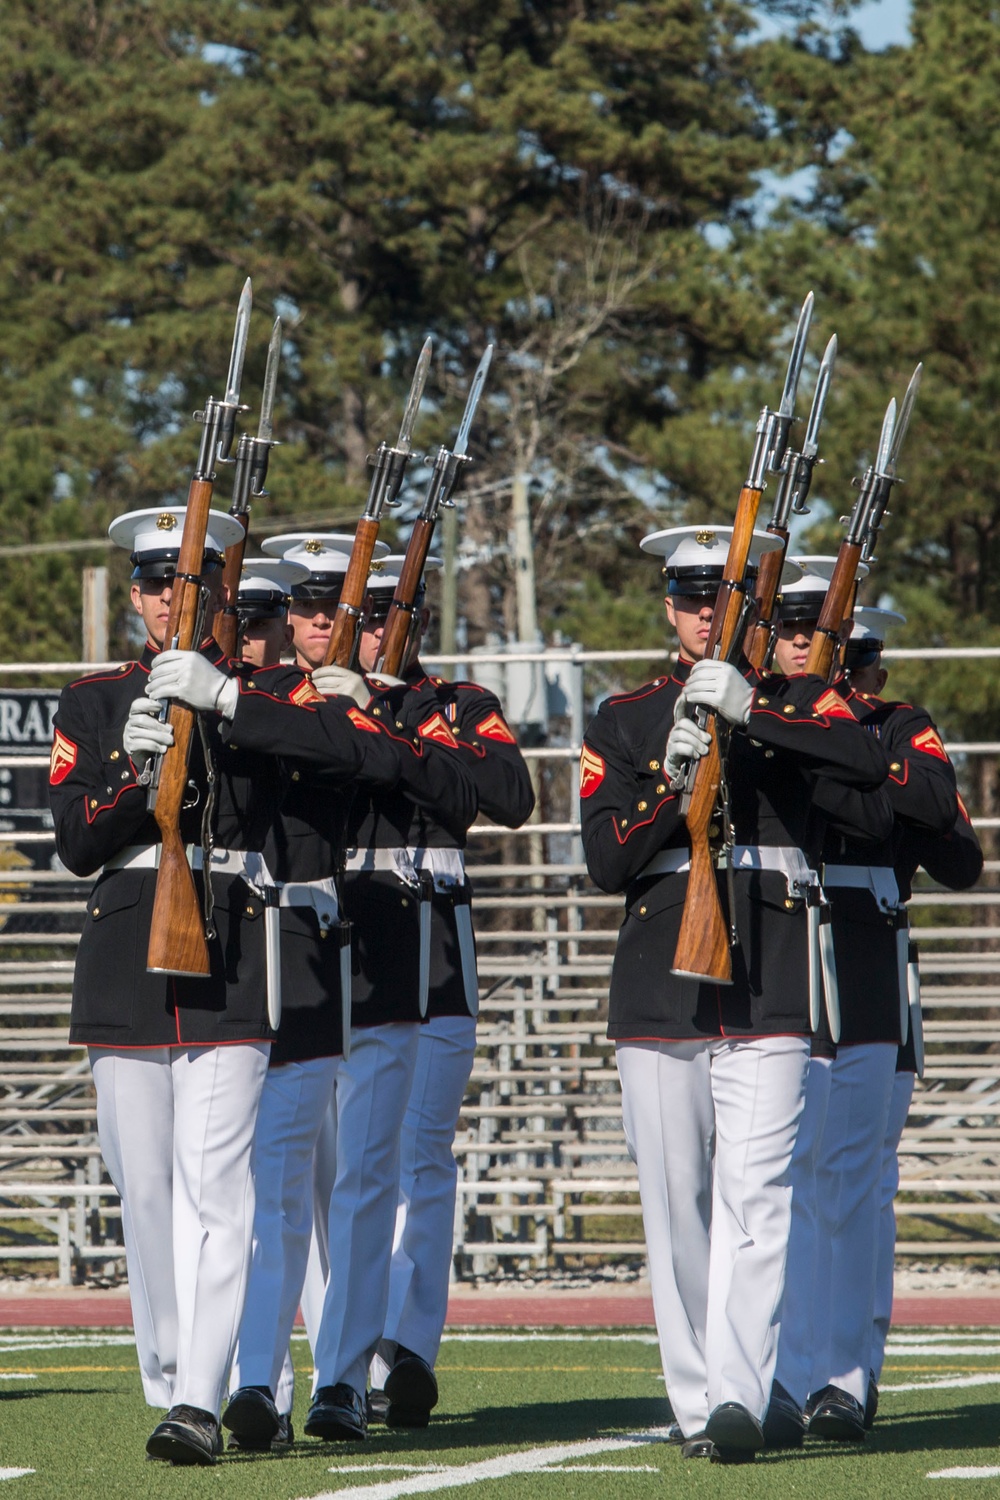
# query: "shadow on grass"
{"type": "Point", "coordinates": [945, 1431]}
{"type": "Point", "coordinates": [490, 1427]}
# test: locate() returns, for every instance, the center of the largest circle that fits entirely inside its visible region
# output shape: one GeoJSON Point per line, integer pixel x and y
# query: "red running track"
{"type": "Point", "coordinates": [493, 1308]}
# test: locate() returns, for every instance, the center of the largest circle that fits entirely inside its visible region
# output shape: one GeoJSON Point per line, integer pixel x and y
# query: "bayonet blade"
{"type": "Point", "coordinates": [905, 413]}
{"type": "Point", "coordinates": [413, 399]}
{"type": "Point", "coordinates": [798, 354]}
{"type": "Point", "coordinates": [475, 391]}
{"type": "Point", "coordinates": [885, 441]}
{"type": "Point", "coordinates": [265, 432]}
{"type": "Point", "coordinates": [235, 377]}
{"type": "Point", "coordinates": [810, 446]}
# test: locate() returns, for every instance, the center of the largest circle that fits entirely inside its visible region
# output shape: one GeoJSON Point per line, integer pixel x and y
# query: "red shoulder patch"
{"type": "Point", "coordinates": [832, 706]}
{"type": "Point", "coordinates": [592, 771]}
{"type": "Point", "coordinates": [360, 720]}
{"type": "Point", "coordinates": [305, 693]}
{"type": "Point", "coordinates": [929, 741]}
{"type": "Point", "coordinates": [437, 728]}
{"type": "Point", "coordinates": [494, 728]}
{"type": "Point", "coordinates": [63, 758]}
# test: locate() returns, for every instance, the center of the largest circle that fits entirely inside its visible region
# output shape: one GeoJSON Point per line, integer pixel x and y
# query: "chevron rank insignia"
{"type": "Point", "coordinates": [929, 741]}
{"type": "Point", "coordinates": [494, 728]}
{"type": "Point", "coordinates": [63, 758]}
{"type": "Point", "coordinates": [592, 771]}
{"type": "Point", "coordinates": [831, 706]}
{"type": "Point", "coordinates": [437, 728]}
{"type": "Point", "coordinates": [305, 693]}
{"type": "Point", "coordinates": [962, 808]}
{"type": "Point", "coordinates": [360, 721]}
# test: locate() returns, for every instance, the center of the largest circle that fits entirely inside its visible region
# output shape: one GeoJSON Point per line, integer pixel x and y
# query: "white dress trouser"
{"type": "Point", "coordinates": [176, 1129]}
{"type": "Point", "coordinates": [848, 1175]}
{"type": "Point", "coordinates": [716, 1241]}
{"type": "Point", "coordinates": [795, 1343]}
{"type": "Point", "coordinates": [899, 1108]}
{"type": "Point", "coordinates": [373, 1087]}
{"type": "Point", "coordinates": [294, 1101]}
{"type": "Point", "coordinates": [425, 1214]}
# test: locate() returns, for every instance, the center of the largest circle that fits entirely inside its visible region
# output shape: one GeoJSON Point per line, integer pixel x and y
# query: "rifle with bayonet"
{"type": "Point", "coordinates": [177, 936]}
{"type": "Point", "coordinates": [789, 500]}
{"type": "Point", "coordinates": [863, 527]}
{"type": "Point", "coordinates": [444, 473]}
{"type": "Point", "coordinates": [704, 941]}
{"type": "Point", "coordinates": [389, 464]}
{"type": "Point", "coordinates": [249, 478]}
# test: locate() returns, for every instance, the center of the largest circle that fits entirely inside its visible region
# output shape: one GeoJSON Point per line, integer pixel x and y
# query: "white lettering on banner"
{"type": "Point", "coordinates": [27, 721]}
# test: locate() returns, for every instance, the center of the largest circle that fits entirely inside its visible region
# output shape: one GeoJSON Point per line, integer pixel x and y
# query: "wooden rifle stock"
{"type": "Point", "coordinates": [766, 591]}
{"type": "Point", "coordinates": [703, 942]}
{"type": "Point", "coordinates": [177, 937]}
{"type": "Point", "coordinates": [225, 625]}
{"type": "Point", "coordinates": [837, 607]}
{"type": "Point", "coordinates": [398, 625]}
{"type": "Point", "coordinates": [343, 643]}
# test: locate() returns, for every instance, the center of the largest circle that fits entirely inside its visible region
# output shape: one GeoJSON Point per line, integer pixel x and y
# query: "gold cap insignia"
{"type": "Point", "coordinates": [377, 565]}
{"type": "Point", "coordinates": [314, 546]}
{"type": "Point", "coordinates": [166, 521]}
{"type": "Point", "coordinates": [704, 537]}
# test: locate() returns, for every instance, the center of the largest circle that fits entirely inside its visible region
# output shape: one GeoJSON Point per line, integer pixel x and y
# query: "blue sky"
{"type": "Point", "coordinates": [882, 23]}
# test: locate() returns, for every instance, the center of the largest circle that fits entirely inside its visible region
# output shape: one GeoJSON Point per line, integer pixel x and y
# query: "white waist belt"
{"type": "Point", "coordinates": [879, 879]}
{"type": "Point", "coordinates": [320, 895]}
{"type": "Point", "coordinates": [225, 861]}
{"type": "Point", "coordinates": [787, 861]}
{"type": "Point", "coordinates": [447, 866]}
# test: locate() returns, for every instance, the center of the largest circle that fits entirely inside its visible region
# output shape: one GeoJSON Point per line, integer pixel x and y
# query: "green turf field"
{"type": "Point", "coordinates": [522, 1415]}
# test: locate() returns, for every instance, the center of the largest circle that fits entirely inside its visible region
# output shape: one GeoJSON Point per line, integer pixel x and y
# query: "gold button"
{"type": "Point", "coordinates": [654, 765]}
{"type": "Point", "coordinates": [661, 788]}
{"type": "Point", "coordinates": [642, 911]}
{"type": "Point", "coordinates": [624, 822]}
{"type": "Point", "coordinates": [763, 702]}
{"type": "Point", "coordinates": [399, 724]}
{"type": "Point", "coordinates": [249, 911]}
{"type": "Point", "coordinates": [125, 775]}
{"type": "Point", "coordinates": [895, 766]}
{"type": "Point", "coordinates": [251, 683]}
{"type": "Point", "coordinates": [789, 904]}
{"type": "Point", "coordinates": [115, 755]}
{"type": "Point", "coordinates": [643, 806]}
{"type": "Point", "coordinates": [296, 776]}
{"type": "Point", "coordinates": [93, 802]}
{"type": "Point", "coordinates": [768, 754]}
{"type": "Point", "coordinates": [96, 912]}
{"type": "Point", "coordinates": [377, 712]}
{"type": "Point", "coordinates": [406, 901]}
{"type": "Point", "coordinates": [789, 708]}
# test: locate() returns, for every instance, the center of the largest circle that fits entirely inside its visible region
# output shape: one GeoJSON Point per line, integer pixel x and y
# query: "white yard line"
{"type": "Point", "coordinates": [946, 1383]}
{"type": "Point", "coordinates": [528, 1461]}
{"type": "Point", "coordinates": [19, 1375]}
{"type": "Point", "coordinates": [15, 1473]}
{"type": "Point", "coordinates": [912, 1351]}
{"type": "Point", "coordinates": [986, 1473]}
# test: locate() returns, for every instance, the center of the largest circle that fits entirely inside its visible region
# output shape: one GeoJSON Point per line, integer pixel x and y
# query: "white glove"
{"type": "Point", "coordinates": [720, 687]}
{"type": "Point", "coordinates": [339, 682]}
{"type": "Point", "coordinates": [685, 742]}
{"type": "Point", "coordinates": [144, 736]}
{"type": "Point", "coordinates": [192, 679]}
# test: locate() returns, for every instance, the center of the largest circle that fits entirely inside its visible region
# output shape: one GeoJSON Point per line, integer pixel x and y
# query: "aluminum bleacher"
{"type": "Point", "coordinates": [546, 1186]}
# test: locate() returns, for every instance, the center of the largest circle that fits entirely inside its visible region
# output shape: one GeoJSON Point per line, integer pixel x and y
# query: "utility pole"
{"type": "Point", "coordinates": [95, 614]}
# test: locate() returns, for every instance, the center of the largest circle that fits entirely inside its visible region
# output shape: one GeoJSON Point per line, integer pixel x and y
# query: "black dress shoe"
{"type": "Point", "coordinates": [736, 1433]}
{"type": "Point", "coordinates": [673, 1433]}
{"type": "Point", "coordinates": [337, 1414]}
{"type": "Point", "coordinates": [283, 1438]}
{"type": "Point", "coordinates": [838, 1416]}
{"type": "Point", "coordinates": [252, 1418]}
{"type": "Point", "coordinates": [187, 1435]}
{"type": "Point", "coordinates": [784, 1423]}
{"type": "Point", "coordinates": [871, 1401]}
{"type": "Point", "coordinates": [377, 1405]}
{"type": "Point", "coordinates": [698, 1446]}
{"type": "Point", "coordinates": [412, 1390]}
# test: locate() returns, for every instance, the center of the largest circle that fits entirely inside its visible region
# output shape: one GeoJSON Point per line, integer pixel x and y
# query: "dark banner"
{"type": "Point", "coordinates": [26, 716]}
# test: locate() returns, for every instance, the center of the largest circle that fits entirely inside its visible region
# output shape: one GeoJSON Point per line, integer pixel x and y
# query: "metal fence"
{"type": "Point", "coordinates": [545, 1183]}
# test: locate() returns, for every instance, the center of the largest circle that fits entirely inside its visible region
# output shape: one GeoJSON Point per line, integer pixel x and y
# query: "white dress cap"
{"type": "Point", "coordinates": [321, 551]}
{"type": "Point", "coordinates": [264, 576]}
{"type": "Point", "coordinates": [158, 530]}
{"type": "Point", "coordinates": [871, 624]}
{"type": "Point", "coordinates": [385, 573]}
